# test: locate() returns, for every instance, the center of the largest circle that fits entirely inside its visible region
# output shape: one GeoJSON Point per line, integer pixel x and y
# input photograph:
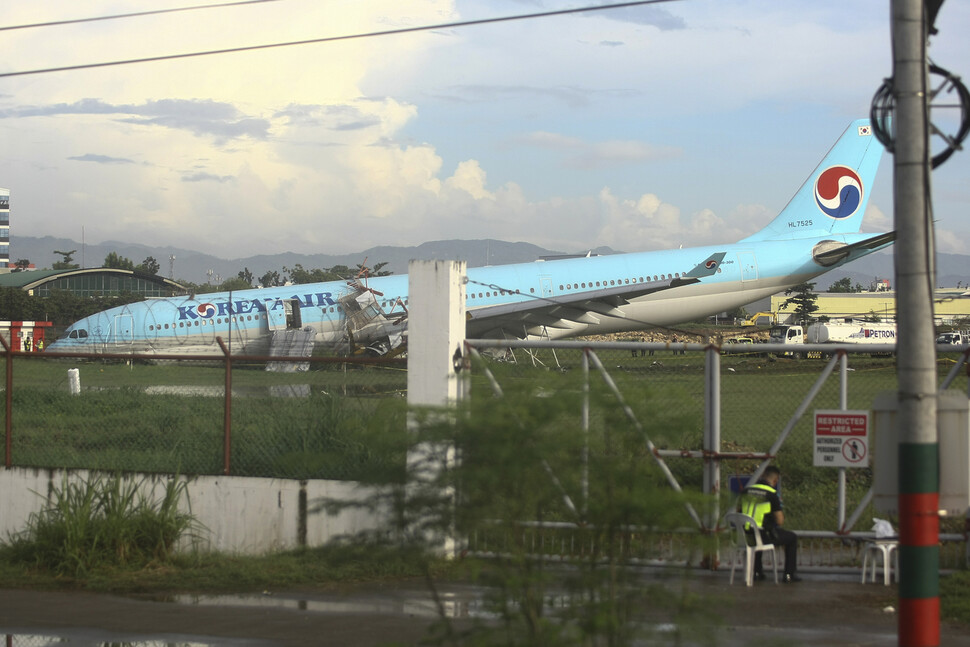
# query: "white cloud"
{"type": "Point", "coordinates": [538, 130]}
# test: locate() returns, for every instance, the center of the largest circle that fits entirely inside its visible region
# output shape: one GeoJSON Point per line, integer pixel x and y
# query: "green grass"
{"type": "Point", "coordinates": [316, 568]}
{"type": "Point", "coordinates": [955, 597]}
{"type": "Point", "coordinates": [169, 418]}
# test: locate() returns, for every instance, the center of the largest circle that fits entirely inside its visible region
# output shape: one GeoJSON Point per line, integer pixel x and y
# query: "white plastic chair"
{"type": "Point", "coordinates": [743, 550]}
{"type": "Point", "coordinates": [870, 554]}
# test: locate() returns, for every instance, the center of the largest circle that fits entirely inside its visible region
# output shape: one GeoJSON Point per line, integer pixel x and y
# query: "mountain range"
{"type": "Point", "coordinates": [953, 270]}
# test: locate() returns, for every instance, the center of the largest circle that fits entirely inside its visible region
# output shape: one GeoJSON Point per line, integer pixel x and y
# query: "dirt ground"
{"type": "Point", "coordinates": [818, 611]}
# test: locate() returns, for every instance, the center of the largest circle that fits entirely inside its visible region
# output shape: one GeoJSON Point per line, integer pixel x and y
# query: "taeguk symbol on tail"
{"type": "Point", "coordinates": [838, 192]}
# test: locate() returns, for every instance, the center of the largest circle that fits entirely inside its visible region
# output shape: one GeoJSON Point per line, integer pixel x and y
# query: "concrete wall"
{"type": "Point", "coordinates": [238, 515]}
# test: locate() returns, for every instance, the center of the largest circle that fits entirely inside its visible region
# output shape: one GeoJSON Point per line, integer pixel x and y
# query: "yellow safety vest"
{"type": "Point", "coordinates": [755, 503]}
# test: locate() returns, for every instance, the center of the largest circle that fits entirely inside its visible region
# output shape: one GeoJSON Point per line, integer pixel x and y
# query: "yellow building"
{"type": "Point", "coordinates": [951, 305]}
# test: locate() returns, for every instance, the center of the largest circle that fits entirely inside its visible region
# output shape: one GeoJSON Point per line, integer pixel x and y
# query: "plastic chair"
{"type": "Point", "coordinates": [747, 545]}
{"type": "Point", "coordinates": [885, 547]}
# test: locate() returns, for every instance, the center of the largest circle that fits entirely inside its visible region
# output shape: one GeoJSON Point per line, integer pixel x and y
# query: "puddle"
{"type": "Point", "coordinates": [454, 604]}
{"type": "Point", "coordinates": [90, 638]}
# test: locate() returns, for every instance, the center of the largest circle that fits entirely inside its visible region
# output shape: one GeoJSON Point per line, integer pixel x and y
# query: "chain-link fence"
{"type": "Point", "coordinates": [345, 418]}
{"type": "Point", "coordinates": [760, 400]}
{"type": "Point", "coordinates": [173, 416]}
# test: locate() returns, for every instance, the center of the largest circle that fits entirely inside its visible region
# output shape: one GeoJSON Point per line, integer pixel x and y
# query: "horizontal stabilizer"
{"type": "Point", "coordinates": [830, 252]}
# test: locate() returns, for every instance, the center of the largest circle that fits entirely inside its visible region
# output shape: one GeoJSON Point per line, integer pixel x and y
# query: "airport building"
{"type": "Point", "coordinates": [951, 306]}
{"type": "Point", "coordinates": [91, 282]}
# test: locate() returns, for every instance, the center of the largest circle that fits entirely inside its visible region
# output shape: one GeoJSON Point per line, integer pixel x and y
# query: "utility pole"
{"type": "Point", "coordinates": [919, 526]}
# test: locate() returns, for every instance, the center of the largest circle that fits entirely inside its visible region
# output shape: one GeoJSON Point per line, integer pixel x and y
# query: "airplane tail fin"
{"type": "Point", "coordinates": [834, 197]}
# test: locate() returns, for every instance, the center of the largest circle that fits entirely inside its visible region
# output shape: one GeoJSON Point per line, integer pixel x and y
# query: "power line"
{"type": "Point", "coordinates": [73, 21]}
{"type": "Point", "coordinates": [331, 39]}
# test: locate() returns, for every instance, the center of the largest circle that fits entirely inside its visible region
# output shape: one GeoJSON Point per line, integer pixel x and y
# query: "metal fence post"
{"type": "Point", "coordinates": [227, 415]}
{"type": "Point", "coordinates": [712, 431]}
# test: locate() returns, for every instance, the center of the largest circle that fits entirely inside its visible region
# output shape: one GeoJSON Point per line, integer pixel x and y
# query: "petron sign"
{"type": "Point", "coordinates": [841, 438]}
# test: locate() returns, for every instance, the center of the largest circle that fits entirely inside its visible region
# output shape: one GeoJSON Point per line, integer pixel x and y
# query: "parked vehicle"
{"type": "Point", "coordinates": [847, 332]}
{"type": "Point", "coordinates": [769, 317]}
{"type": "Point", "coordinates": [855, 332]}
{"type": "Point", "coordinates": [956, 337]}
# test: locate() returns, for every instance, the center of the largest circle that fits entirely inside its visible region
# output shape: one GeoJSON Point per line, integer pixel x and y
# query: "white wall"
{"type": "Point", "coordinates": [238, 515]}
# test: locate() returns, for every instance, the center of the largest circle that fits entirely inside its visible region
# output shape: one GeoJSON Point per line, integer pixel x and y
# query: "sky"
{"type": "Point", "coordinates": [678, 124]}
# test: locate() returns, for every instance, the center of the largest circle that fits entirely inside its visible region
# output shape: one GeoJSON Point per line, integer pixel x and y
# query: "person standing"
{"type": "Point", "coordinates": [762, 502]}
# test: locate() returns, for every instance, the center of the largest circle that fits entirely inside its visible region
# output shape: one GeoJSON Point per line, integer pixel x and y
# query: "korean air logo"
{"type": "Point", "coordinates": [838, 192]}
{"type": "Point", "coordinates": [711, 264]}
{"type": "Point", "coordinates": [206, 310]}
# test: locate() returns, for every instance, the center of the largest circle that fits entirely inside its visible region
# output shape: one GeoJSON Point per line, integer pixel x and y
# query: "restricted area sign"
{"type": "Point", "coordinates": [841, 438]}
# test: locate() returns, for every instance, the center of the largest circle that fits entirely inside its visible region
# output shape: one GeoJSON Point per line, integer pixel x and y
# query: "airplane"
{"type": "Point", "coordinates": [817, 231]}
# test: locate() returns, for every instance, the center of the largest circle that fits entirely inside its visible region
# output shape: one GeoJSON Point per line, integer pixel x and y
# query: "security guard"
{"type": "Point", "coordinates": [762, 503]}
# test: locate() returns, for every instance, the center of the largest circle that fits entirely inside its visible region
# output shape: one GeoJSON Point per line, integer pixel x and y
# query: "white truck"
{"type": "Point", "coordinates": [849, 332]}
{"type": "Point", "coordinates": [855, 332]}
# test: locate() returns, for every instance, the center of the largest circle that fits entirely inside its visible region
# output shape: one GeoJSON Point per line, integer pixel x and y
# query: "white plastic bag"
{"type": "Point", "coordinates": [882, 528]}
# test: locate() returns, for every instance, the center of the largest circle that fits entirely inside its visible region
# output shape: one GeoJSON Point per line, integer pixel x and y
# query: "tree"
{"type": "Point", "coordinates": [363, 270]}
{"type": "Point", "coordinates": [65, 262]}
{"type": "Point", "coordinates": [270, 279]}
{"type": "Point", "coordinates": [22, 265]}
{"type": "Point", "coordinates": [113, 260]}
{"type": "Point", "coordinates": [803, 297]}
{"type": "Point", "coordinates": [235, 283]}
{"type": "Point", "coordinates": [149, 266]}
{"type": "Point", "coordinates": [246, 276]}
{"type": "Point", "coordinates": [299, 275]}
{"type": "Point", "coordinates": [842, 285]}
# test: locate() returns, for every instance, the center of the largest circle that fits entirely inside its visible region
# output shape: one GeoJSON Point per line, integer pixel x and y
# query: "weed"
{"type": "Point", "coordinates": [103, 521]}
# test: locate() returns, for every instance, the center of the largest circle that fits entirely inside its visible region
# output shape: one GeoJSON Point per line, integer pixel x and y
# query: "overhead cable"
{"type": "Point", "coordinates": [331, 39]}
{"type": "Point", "coordinates": [74, 21]}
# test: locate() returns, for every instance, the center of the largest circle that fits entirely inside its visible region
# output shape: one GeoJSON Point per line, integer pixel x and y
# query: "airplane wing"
{"type": "Point", "coordinates": [514, 320]}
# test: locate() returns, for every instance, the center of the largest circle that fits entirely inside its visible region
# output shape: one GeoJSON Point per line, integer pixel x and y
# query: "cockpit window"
{"type": "Point", "coordinates": [78, 334]}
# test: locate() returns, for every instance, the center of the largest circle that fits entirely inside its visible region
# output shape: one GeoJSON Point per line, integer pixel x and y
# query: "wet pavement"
{"type": "Point", "coordinates": [831, 610]}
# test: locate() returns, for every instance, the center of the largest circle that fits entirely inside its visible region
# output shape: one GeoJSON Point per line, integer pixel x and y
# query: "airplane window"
{"type": "Point", "coordinates": [196, 323]}
{"type": "Point", "coordinates": [82, 333]}
{"type": "Point", "coordinates": [532, 290]}
{"type": "Point", "coordinates": [654, 277]}
{"type": "Point", "coordinates": [628, 281]}
{"type": "Point", "coordinates": [719, 270]}
{"type": "Point", "coordinates": [641, 279]}
{"type": "Point", "coordinates": [612, 282]}
{"type": "Point", "coordinates": [73, 334]}
{"type": "Point", "coordinates": [678, 275]}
